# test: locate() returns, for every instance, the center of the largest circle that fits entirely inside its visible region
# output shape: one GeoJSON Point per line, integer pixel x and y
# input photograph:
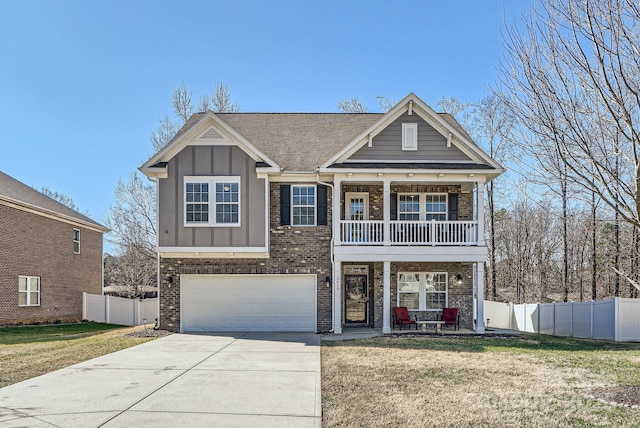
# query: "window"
{"type": "Point", "coordinates": [409, 207]}
{"type": "Point", "coordinates": [303, 205]}
{"type": "Point", "coordinates": [76, 241]}
{"type": "Point", "coordinates": [224, 203]}
{"type": "Point", "coordinates": [197, 199]}
{"type": "Point", "coordinates": [435, 291]}
{"type": "Point", "coordinates": [424, 291]}
{"type": "Point", "coordinates": [28, 291]}
{"type": "Point", "coordinates": [227, 202]}
{"type": "Point", "coordinates": [435, 207]}
{"type": "Point", "coordinates": [422, 206]}
{"type": "Point", "coordinates": [409, 136]}
{"type": "Point", "coordinates": [409, 290]}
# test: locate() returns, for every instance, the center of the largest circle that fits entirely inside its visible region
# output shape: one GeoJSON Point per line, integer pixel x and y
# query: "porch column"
{"type": "Point", "coordinates": [480, 208]}
{"type": "Point", "coordinates": [386, 207]}
{"type": "Point", "coordinates": [337, 298]}
{"type": "Point", "coordinates": [480, 298]}
{"type": "Point", "coordinates": [336, 211]}
{"type": "Point", "coordinates": [386, 298]}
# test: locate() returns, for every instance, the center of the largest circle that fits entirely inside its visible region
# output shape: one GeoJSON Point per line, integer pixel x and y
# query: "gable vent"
{"type": "Point", "coordinates": [211, 134]}
{"type": "Point", "coordinates": [409, 136]}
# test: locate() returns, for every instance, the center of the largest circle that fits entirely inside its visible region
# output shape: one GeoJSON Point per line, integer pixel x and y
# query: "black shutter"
{"type": "Point", "coordinates": [453, 206]}
{"type": "Point", "coordinates": [321, 208]}
{"type": "Point", "coordinates": [285, 204]}
{"type": "Point", "coordinates": [393, 200]}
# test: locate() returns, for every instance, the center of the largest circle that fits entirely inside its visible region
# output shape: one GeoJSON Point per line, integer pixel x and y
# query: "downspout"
{"type": "Point", "coordinates": [155, 181]}
{"type": "Point", "coordinates": [333, 264]}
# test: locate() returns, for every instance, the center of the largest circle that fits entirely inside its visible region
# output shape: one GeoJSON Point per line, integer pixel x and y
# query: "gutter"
{"type": "Point", "coordinates": [333, 263]}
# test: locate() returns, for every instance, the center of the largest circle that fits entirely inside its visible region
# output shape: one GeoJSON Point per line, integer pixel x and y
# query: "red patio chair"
{"type": "Point", "coordinates": [401, 317]}
{"type": "Point", "coordinates": [450, 316]}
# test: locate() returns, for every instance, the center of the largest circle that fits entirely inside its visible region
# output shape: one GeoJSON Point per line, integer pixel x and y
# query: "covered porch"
{"type": "Point", "coordinates": [365, 292]}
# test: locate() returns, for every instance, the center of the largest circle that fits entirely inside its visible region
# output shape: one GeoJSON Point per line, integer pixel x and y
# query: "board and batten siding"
{"type": "Point", "coordinates": [211, 161]}
{"type": "Point", "coordinates": [387, 145]}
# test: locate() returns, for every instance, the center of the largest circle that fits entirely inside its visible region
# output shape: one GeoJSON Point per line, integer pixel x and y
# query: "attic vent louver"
{"type": "Point", "coordinates": [211, 134]}
{"type": "Point", "coordinates": [409, 136]}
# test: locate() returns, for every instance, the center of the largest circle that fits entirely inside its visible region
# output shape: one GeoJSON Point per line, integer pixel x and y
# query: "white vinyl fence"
{"type": "Point", "coordinates": [118, 310]}
{"type": "Point", "coordinates": [616, 319]}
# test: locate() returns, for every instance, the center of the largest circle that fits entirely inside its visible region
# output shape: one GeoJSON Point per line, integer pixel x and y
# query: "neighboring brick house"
{"type": "Point", "coordinates": [49, 255]}
{"type": "Point", "coordinates": [314, 221]}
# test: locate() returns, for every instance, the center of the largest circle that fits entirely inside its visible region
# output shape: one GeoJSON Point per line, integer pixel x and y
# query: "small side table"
{"type": "Point", "coordinates": [436, 324]}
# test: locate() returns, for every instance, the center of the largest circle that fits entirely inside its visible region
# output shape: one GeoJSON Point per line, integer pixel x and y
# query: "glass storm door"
{"type": "Point", "coordinates": [356, 299]}
{"type": "Point", "coordinates": [357, 209]}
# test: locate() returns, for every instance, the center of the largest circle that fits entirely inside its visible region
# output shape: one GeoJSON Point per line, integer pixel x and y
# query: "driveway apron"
{"type": "Point", "coordinates": [186, 380]}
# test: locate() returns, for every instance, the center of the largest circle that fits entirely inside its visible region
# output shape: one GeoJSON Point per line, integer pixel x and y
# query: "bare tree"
{"type": "Point", "coordinates": [133, 232]}
{"type": "Point", "coordinates": [60, 197]}
{"type": "Point", "coordinates": [386, 103]}
{"type": "Point", "coordinates": [221, 101]}
{"type": "Point", "coordinates": [493, 126]}
{"type": "Point", "coordinates": [353, 105]}
{"type": "Point", "coordinates": [181, 102]}
{"type": "Point", "coordinates": [164, 133]}
{"type": "Point", "coordinates": [573, 78]}
{"type": "Point", "coordinates": [463, 112]}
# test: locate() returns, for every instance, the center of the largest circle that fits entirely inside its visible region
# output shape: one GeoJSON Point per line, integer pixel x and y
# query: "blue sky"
{"type": "Point", "coordinates": [84, 83]}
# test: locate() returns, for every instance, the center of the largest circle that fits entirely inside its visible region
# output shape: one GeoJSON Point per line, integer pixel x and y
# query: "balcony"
{"type": "Point", "coordinates": [409, 233]}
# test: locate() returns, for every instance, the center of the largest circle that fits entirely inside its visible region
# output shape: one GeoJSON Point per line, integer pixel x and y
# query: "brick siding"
{"type": "Point", "coordinates": [34, 245]}
{"type": "Point", "coordinates": [293, 250]}
{"type": "Point", "coordinates": [459, 296]}
{"type": "Point", "coordinates": [376, 202]}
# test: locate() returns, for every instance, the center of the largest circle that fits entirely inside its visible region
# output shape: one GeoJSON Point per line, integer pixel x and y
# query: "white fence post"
{"type": "Point", "coordinates": [107, 310]}
{"type": "Point", "coordinates": [616, 318]}
{"type": "Point", "coordinates": [591, 305]}
{"type": "Point", "coordinates": [84, 305]}
{"type": "Point", "coordinates": [571, 319]}
{"type": "Point", "coordinates": [553, 322]}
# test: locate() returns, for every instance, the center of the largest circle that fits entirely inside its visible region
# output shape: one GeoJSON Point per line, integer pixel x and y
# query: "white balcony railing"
{"type": "Point", "coordinates": [370, 232]}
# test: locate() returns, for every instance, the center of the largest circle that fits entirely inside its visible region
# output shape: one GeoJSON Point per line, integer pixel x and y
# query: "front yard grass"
{"type": "Point", "coordinates": [470, 381]}
{"type": "Point", "coordinates": [29, 351]}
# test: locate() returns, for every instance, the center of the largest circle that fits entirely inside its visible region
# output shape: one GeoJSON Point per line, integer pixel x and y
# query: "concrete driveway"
{"type": "Point", "coordinates": [246, 379]}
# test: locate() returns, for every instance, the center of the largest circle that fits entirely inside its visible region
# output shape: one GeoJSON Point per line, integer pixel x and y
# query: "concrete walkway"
{"type": "Point", "coordinates": [247, 379]}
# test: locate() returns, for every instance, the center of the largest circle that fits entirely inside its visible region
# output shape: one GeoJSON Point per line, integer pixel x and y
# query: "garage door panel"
{"type": "Point", "coordinates": [248, 303]}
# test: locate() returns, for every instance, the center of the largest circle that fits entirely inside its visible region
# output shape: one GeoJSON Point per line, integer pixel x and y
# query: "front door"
{"type": "Point", "coordinates": [356, 299]}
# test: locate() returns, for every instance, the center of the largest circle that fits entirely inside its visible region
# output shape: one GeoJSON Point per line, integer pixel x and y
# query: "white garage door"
{"type": "Point", "coordinates": [248, 302]}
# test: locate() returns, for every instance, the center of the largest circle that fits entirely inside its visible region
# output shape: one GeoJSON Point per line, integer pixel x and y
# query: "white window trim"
{"type": "Point", "coordinates": [29, 278]}
{"type": "Point", "coordinates": [78, 241]}
{"type": "Point", "coordinates": [422, 290]}
{"type": "Point", "coordinates": [315, 205]}
{"type": "Point", "coordinates": [412, 144]}
{"type": "Point", "coordinates": [423, 204]}
{"type": "Point", "coordinates": [211, 181]}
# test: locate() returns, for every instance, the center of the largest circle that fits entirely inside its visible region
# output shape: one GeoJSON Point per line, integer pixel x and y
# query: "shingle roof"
{"type": "Point", "coordinates": [300, 141]}
{"type": "Point", "coordinates": [14, 191]}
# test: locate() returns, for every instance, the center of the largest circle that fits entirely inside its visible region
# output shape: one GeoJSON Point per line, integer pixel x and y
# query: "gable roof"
{"type": "Point", "coordinates": [308, 141]}
{"type": "Point", "coordinates": [18, 193]}
{"type": "Point", "coordinates": [447, 126]}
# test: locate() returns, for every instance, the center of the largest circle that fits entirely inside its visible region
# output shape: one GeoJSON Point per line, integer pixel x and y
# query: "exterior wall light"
{"type": "Point", "coordinates": [327, 282]}
{"type": "Point", "coordinates": [459, 279]}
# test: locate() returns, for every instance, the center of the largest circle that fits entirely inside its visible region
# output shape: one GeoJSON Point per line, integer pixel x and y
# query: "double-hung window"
{"type": "Point", "coordinates": [409, 207]}
{"type": "Point", "coordinates": [422, 206]}
{"type": "Point", "coordinates": [76, 241]}
{"type": "Point", "coordinates": [212, 201]}
{"type": "Point", "coordinates": [424, 291]}
{"type": "Point", "coordinates": [435, 207]}
{"type": "Point", "coordinates": [303, 205]}
{"type": "Point", "coordinates": [28, 291]}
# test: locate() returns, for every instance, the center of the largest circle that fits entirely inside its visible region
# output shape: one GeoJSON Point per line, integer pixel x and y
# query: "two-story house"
{"type": "Point", "coordinates": [49, 255]}
{"type": "Point", "coordinates": [314, 222]}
